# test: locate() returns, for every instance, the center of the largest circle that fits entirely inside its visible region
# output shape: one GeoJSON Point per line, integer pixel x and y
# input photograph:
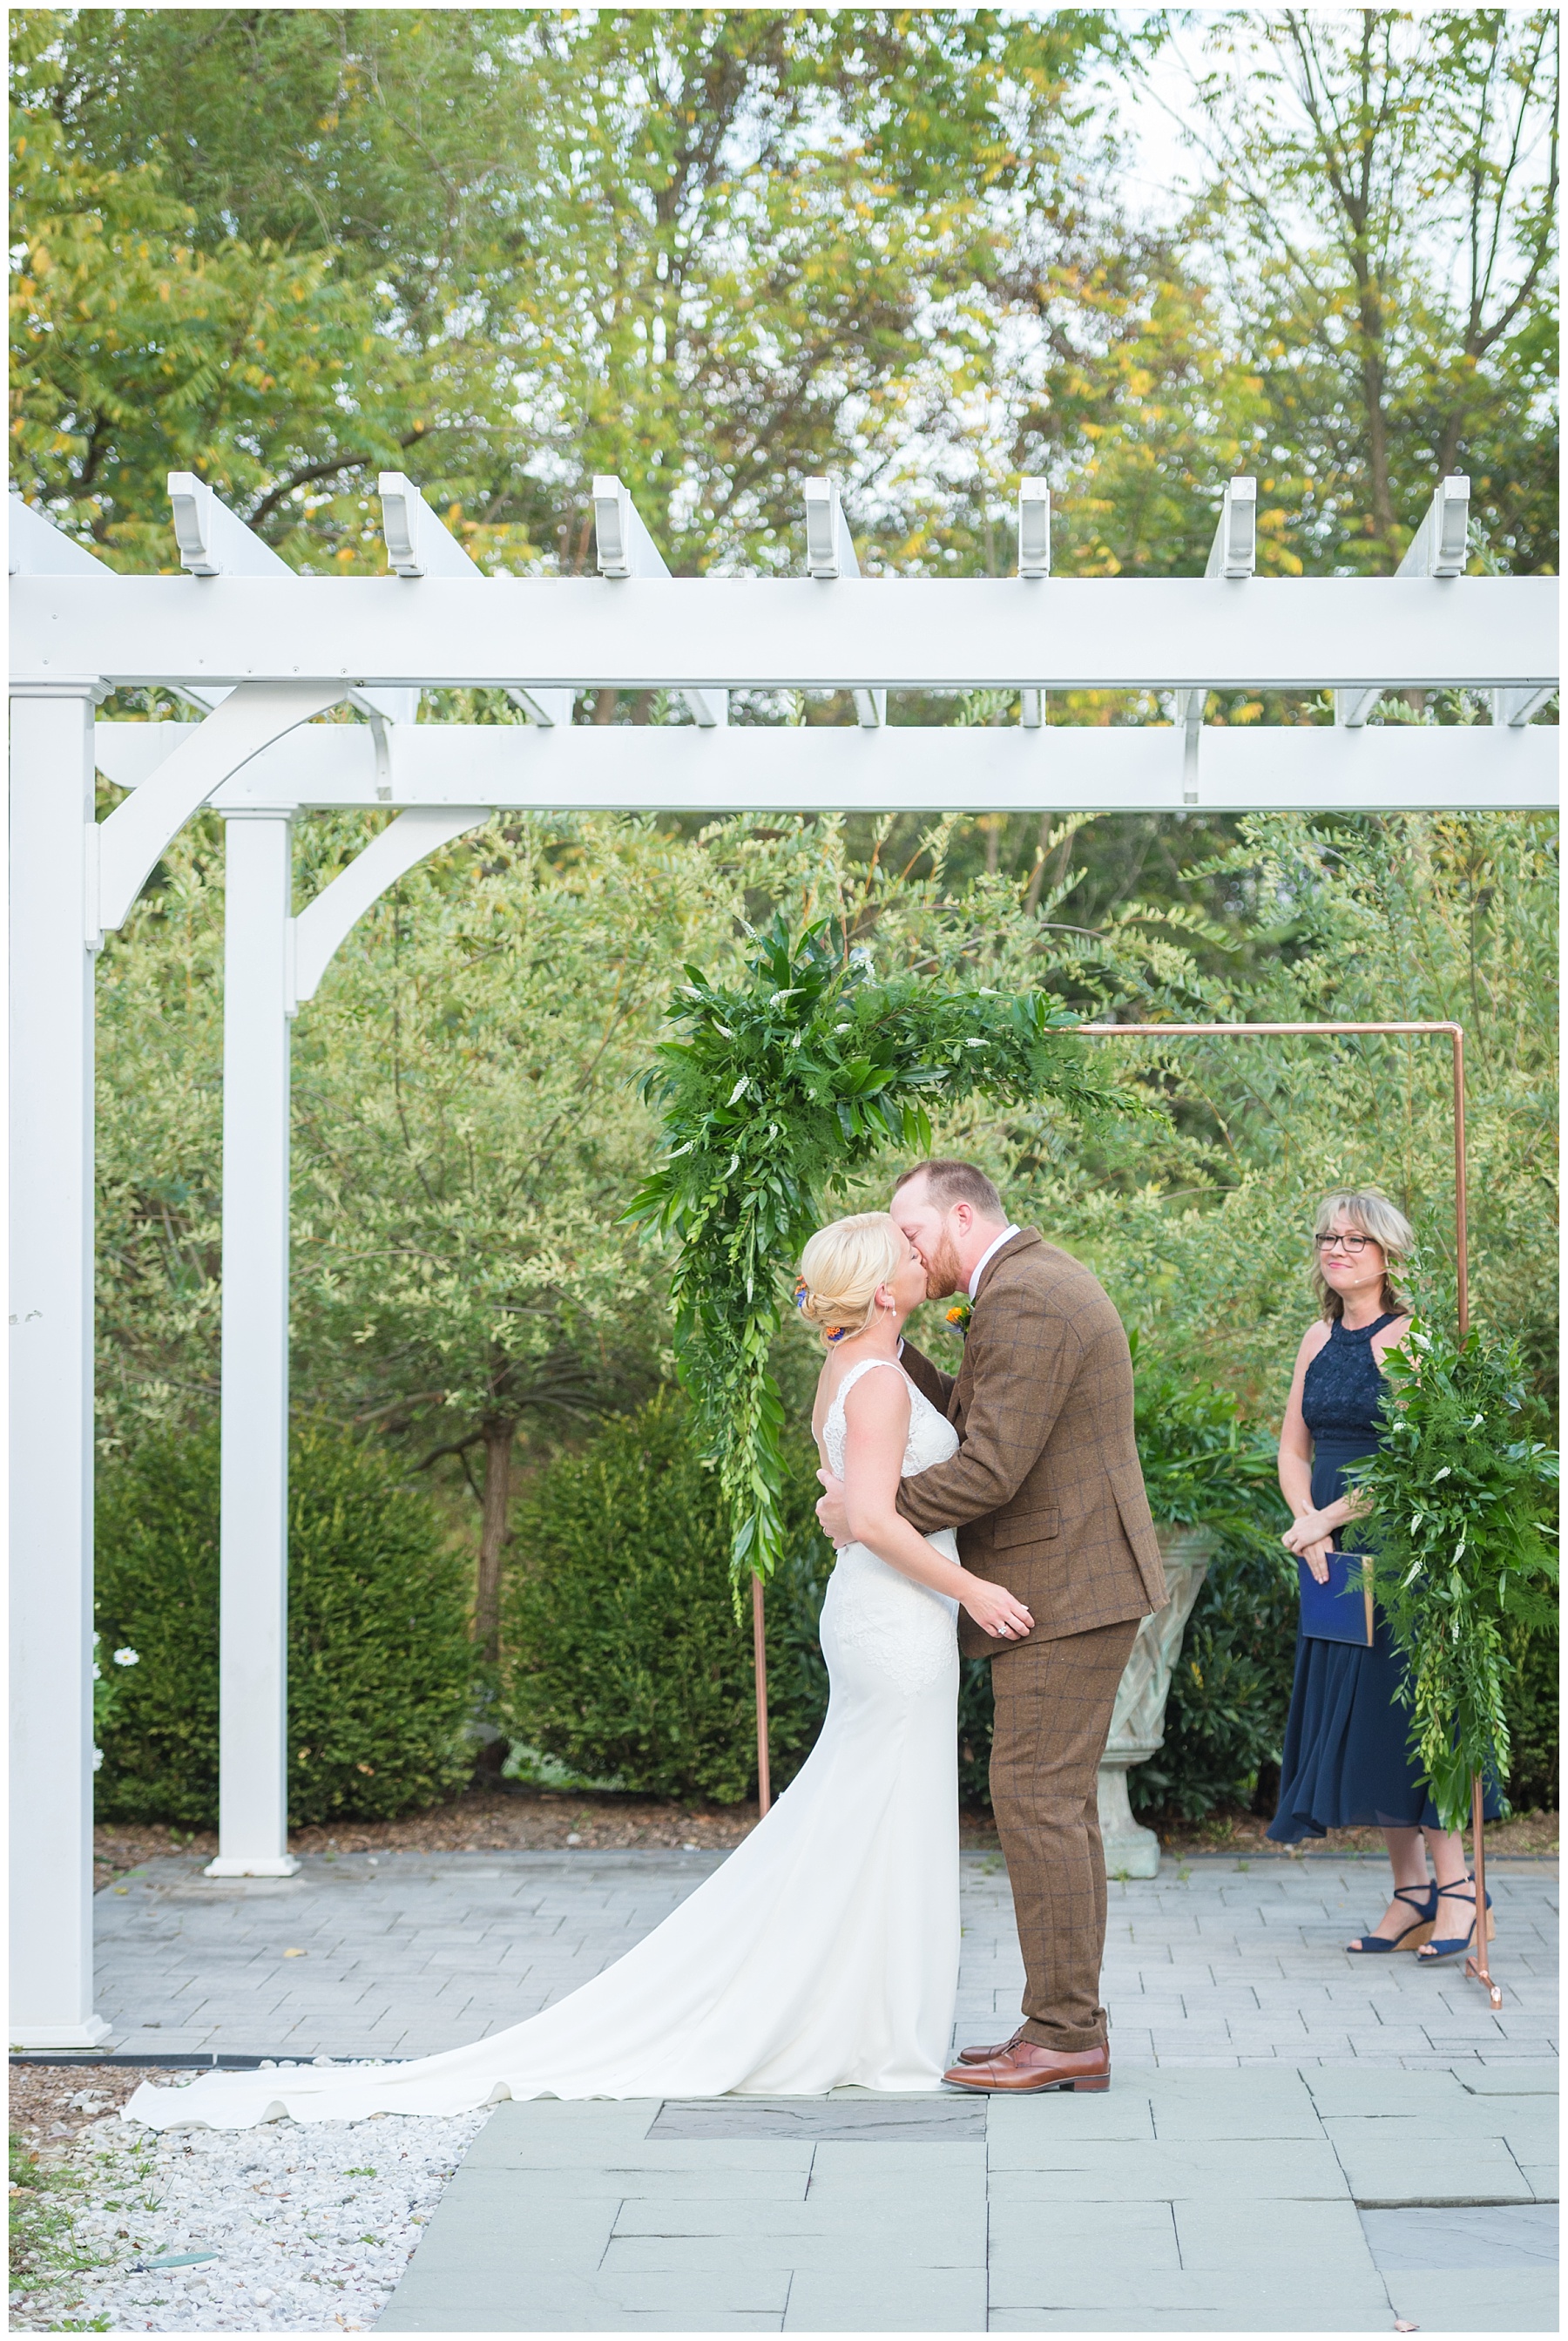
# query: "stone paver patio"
{"type": "Point", "coordinates": [1212, 1962]}
{"type": "Point", "coordinates": [1187, 2199]}
{"type": "Point", "coordinates": [1295, 2141]}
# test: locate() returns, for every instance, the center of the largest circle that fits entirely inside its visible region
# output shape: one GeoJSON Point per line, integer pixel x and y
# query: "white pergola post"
{"type": "Point", "coordinates": [51, 1367]}
{"type": "Point", "coordinates": [272, 963]}
{"type": "Point", "coordinates": [252, 1647]}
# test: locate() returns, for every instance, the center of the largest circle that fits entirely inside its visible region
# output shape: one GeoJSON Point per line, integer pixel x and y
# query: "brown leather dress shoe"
{"type": "Point", "coordinates": [1023, 2067]}
{"type": "Point", "coordinates": [985, 2056]}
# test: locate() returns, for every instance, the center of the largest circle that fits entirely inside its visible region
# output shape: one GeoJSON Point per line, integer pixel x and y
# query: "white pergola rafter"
{"type": "Point", "coordinates": [264, 652]}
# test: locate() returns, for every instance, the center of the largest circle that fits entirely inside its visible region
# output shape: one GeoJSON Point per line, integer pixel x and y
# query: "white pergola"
{"type": "Point", "coordinates": [259, 651]}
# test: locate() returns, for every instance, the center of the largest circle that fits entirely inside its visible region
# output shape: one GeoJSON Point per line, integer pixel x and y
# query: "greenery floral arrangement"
{"type": "Point", "coordinates": [1203, 1465]}
{"type": "Point", "coordinates": [779, 1089]}
{"type": "Point", "coordinates": [1462, 1528]}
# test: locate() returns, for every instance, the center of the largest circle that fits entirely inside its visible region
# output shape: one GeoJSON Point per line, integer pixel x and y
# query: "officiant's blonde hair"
{"type": "Point", "coordinates": [841, 1268]}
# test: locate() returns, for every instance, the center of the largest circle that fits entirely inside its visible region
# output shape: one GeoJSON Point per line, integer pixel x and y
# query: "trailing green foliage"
{"type": "Point", "coordinates": [1203, 1465]}
{"type": "Point", "coordinates": [381, 1666]}
{"type": "Point", "coordinates": [621, 1655]}
{"type": "Point", "coordinates": [1463, 1536]}
{"type": "Point", "coordinates": [779, 1090]}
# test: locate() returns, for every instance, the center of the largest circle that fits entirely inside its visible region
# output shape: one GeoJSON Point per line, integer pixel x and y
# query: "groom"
{"type": "Point", "coordinates": [1047, 1499]}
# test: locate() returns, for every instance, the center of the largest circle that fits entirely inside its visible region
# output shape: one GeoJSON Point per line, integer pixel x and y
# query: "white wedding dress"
{"type": "Point", "coordinates": [824, 1951]}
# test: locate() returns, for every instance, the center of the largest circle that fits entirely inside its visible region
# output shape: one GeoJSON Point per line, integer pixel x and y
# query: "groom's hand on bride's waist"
{"type": "Point", "coordinates": [830, 1512]}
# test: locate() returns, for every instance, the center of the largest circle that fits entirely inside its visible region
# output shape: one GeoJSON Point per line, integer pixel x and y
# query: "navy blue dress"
{"type": "Point", "coordinates": [1346, 1762]}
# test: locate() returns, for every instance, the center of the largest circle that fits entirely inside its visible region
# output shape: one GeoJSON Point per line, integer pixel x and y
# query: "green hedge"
{"type": "Point", "coordinates": [624, 1660]}
{"type": "Point", "coordinates": [380, 1664]}
{"type": "Point", "coordinates": [1530, 1695]}
{"type": "Point", "coordinates": [622, 1653]}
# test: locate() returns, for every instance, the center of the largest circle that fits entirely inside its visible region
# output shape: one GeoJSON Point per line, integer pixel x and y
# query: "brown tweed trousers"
{"type": "Point", "coordinates": [1047, 1498]}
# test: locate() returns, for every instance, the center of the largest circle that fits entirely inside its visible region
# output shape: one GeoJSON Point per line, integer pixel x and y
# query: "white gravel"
{"type": "Point", "coordinates": [311, 2227]}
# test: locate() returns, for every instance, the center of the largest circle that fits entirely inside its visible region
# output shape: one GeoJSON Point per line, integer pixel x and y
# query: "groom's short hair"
{"type": "Point", "coordinates": [951, 1182]}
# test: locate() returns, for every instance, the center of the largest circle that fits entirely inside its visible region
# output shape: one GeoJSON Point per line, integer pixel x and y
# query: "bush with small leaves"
{"type": "Point", "coordinates": [380, 1664]}
{"type": "Point", "coordinates": [622, 1655]}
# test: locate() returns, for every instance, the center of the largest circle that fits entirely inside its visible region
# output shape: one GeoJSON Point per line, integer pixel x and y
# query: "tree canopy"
{"type": "Point", "coordinates": [718, 250]}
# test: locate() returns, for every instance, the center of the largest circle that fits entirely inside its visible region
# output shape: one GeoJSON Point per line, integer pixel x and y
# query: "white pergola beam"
{"type": "Point", "coordinates": [627, 550]}
{"type": "Point", "coordinates": [420, 544]}
{"type": "Point", "coordinates": [1232, 555]}
{"type": "Point", "coordinates": [1441, 545]}
{"type": "Point", "coordinates": [1034, 528]}
{"type": "Point", "coordinates": [1438, 550]}
{"type": "Point", "coordinates": [831, 554]}
{"type": "Point", "coordinates": [1234, 551]}
{"type": "Point", "coordinates": [795, 633]}
{"type": "Point", "coordinates": [418, 541]}
{"type": "Point", "coordinates": [37, 548]}
{"type": "Point", "coordinates": [214, 542]}
{"type": "Point", "coordinates": [1034, 560]}
{"type": "Point", "coordinates": [789, 768]}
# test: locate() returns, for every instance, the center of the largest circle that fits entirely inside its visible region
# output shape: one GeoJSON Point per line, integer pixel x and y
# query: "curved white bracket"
{"type": "Point", "coordinates": [318, 930]}
{"type": "Point", "coordinates": [130, 842]}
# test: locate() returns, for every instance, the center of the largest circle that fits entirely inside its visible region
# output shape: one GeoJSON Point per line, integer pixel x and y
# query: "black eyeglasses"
{"type": "Point", "coordinates": [1353, 1245]}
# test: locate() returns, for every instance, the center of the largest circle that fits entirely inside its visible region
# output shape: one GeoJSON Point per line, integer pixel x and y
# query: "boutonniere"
{"type": "Point", "coordinates": [960, 1315]}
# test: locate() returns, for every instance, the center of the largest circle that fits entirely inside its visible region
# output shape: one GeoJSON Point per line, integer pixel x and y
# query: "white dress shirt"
{"type": "Point", "coordinates": [1006, 1236]}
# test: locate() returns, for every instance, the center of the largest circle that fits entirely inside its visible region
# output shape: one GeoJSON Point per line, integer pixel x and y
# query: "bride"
{"type": "Point", "coordinates": [825, 1950]}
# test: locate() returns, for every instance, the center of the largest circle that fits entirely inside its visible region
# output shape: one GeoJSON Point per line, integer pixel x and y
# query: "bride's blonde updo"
{"type": "Point", "coordinates": [841, 1268]}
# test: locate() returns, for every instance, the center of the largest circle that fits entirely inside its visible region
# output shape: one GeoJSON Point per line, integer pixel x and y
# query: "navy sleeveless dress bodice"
{"type": "Point", "coordinates": [1346, 1760]}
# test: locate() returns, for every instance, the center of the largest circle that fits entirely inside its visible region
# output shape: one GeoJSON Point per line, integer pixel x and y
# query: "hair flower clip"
{"type": "Point", "coordinates": [834, 1333]}
{"type": "Point", "coordinates": [802, 1292]}
{"type": "Point", "coordinates": [960, 1315]}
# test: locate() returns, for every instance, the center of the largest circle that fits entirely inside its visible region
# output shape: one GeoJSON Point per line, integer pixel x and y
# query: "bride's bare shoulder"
{"type": "Point", "coordinates": [879, 1398]}
{"type": "Point", "coordinates": [875, 1396]}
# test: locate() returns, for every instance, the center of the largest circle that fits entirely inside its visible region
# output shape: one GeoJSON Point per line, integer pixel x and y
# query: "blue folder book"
{"type": "Point", "coordinates": [1339, 1609]}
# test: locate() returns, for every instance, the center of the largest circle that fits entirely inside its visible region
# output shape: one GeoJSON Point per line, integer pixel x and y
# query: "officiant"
{"type": "Point", "coordinates": [1347, 1761]}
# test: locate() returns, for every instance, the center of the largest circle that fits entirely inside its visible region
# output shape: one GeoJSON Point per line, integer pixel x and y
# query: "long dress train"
{"type": "Point", "coordinates": [823, 1952]}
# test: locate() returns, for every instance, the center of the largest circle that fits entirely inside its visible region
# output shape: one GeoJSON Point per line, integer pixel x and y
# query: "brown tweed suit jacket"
{"type": "Point", "coordinates": [1045, 1491]}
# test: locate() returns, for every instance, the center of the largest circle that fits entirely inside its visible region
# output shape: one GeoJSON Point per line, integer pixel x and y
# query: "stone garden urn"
{"type": "Point", "coordinates": [1138, 1724]}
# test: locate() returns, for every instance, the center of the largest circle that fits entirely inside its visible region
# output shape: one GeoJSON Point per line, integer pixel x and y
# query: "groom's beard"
{"type": "Point", "coordinates": [944, 1272]}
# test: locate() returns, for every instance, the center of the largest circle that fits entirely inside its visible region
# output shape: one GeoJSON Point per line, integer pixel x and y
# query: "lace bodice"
{"type": "Point", "coordinates": [1343, 1389]}
{"type": "Point", "coordinates": [932, 1438]}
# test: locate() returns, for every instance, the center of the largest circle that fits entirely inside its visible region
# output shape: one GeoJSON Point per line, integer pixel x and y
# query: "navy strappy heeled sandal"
{"type": "Point", "coordinates": [1453, 1946]}
{"type": "Point", "coordinates": [1422, 1899]}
